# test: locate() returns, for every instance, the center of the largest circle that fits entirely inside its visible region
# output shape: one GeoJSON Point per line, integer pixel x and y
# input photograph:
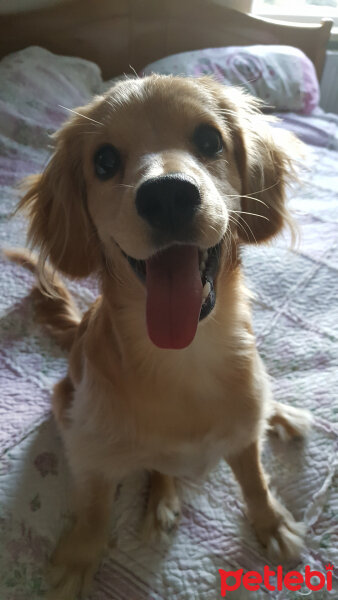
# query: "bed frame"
{"type": "Point", "coordinates": [120, 35]}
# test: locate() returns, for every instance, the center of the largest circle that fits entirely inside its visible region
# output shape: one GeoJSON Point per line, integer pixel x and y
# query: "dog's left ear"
{"type": "Point", "coordinates": [59, 223]}
{"type": "Point", "coordinates": [265, 158]}
{"type": "Point", "coordinates": [266, 162]}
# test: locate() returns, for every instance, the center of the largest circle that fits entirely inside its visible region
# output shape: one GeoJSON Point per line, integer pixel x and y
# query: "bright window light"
{"type": "Point", "coordinates": [301, 11]}
{"type": "Point", "coordinates": [320, 8]}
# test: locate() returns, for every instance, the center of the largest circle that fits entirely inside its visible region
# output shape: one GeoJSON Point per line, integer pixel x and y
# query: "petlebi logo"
{"type": "Point", "coordinates": [295, 581]}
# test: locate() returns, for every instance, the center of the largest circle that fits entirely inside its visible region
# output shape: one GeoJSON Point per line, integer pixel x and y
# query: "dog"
{"type": "Point", "coordinates": [155, 186]}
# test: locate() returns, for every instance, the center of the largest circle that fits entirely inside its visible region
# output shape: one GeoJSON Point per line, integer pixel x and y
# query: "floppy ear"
{"type": "Point", "coordinates": [267, 170]}
{"type": "Point", "coordinates": [265, 158]}
{"type": "Point", "coordinates": [60, 225]}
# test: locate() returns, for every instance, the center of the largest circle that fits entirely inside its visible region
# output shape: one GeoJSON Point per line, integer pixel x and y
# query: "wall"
{"type": "Point", "coordinates": [329, 83]}
{"type": "Point", "coordinates": [242, 5]}
{"type": "Point", "coordinates": [13, 6]}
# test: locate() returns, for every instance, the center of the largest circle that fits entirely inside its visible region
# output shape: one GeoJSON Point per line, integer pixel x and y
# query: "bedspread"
{"type": "Point", "coordinates": [296, 324]}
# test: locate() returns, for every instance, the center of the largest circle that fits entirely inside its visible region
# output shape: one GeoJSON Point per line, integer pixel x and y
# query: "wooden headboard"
{"type": "Point", "coordinates": [120, 34]}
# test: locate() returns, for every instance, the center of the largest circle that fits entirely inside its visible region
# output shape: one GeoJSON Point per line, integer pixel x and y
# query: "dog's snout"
{"type": "Point", "coordinates": [168, 203]}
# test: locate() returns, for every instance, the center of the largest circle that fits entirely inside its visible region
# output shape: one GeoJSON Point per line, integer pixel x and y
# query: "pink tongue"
{"type": "Point", "coordinates": [174, 296]}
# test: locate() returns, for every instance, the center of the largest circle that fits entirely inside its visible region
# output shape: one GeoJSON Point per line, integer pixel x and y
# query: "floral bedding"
{"type": "Point", "coordinates": [282, 76]}
{"type": "Point", "coordinates": [296, 323]}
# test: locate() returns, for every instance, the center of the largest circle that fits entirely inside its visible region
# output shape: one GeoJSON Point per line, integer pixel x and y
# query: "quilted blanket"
{"type": "Point", "coordinates": [296, 323]}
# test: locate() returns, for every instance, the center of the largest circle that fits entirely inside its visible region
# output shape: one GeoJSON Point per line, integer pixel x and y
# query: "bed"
{"type": "Point", "coordinates": [52, 59]}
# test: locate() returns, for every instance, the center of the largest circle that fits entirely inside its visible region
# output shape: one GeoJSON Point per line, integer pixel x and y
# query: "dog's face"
{"type": "Point", "coordinates": [164, 173]}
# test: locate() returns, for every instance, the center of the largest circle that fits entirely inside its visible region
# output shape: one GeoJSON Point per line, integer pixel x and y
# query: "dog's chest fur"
{"type": "Point", "coordinates": [178, 415]}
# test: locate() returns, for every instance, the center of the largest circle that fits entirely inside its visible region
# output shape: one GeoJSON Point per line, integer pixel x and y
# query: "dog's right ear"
{"type": "Point", "coordinates": [60, 226]}
{"type": "Point", "coordinates": [265, 158]}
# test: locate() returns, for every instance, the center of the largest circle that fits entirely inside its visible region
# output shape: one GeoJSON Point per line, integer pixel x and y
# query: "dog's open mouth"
{"type": "Point", "coordinates": [180, 292]}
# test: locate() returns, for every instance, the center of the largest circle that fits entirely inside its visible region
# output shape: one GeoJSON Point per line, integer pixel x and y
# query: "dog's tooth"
{"type": "Point", "coordinates": [202, 266]}
{"type": "Point", "coordinates": [206, 290]}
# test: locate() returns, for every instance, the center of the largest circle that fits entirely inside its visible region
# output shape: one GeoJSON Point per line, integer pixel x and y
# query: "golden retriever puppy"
{"type": "Point", "coordinates": [154, 186]}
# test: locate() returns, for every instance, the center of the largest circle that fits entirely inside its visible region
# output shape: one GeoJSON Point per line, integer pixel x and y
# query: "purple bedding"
{"type": "Point", "coordinates": [296, 323]}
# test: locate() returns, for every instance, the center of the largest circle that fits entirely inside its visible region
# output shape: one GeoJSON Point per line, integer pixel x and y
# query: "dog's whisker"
{"type": "Point", "coordinates": [243, 212]}
{"type": "Point", "coordinates": [237, 223]}
{"type": "Point", "coordinates": [134, 71]}
{"type": "Point", "coordinates": [124, 185]}
{"type": "Point", "coordinates": [241, 226]}
{"type": "Point", "coordinates": [248, 226]}
{"type": "Point", "coordinates": [266, 189]}
{"type": "Point", "coordinates": [252, 196]}
{"type": "Point", "coordinates": [80, 114]}
{"type": "Point", "coordinates": [249, 198]}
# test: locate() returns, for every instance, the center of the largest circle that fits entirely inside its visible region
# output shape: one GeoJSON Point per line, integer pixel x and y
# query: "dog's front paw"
{"type": "Point", "coordinates": [162, 517]}
{"type": "Point", "coordinates": [70, 581]}
{"type": "Point", "coordinates": [71, 569]}
{"type": "Point", "coordinates": [280, 533]}
{"type": "Point", "coordinates": [287, 541]}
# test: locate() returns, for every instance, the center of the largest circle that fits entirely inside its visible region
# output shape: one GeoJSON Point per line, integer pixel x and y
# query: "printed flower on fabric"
{"type": "Point", "coordinates": [47, 464]}
{"type": "Point", "coordinates": [245, 68]}
{"type": "Point", "coordinates": [35, 503]}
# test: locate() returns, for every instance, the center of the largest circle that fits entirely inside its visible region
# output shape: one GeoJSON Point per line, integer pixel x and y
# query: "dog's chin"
{"type": "Point", "coordinates": [181, 291]}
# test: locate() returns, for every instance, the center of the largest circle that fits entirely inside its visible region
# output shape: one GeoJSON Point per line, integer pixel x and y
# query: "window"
{"type": "Point", "coordinates": [308, 11]}
{"type": "Point", "coordinates": [302, 6]}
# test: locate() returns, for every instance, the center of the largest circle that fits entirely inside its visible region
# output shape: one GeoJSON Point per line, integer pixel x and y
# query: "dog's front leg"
{"type": "Point", "coordinates": [163, 506]}
{"type": "Point", "coordinates": [275, 527]}
{"type": "Point", "coordinates": [79, 550]}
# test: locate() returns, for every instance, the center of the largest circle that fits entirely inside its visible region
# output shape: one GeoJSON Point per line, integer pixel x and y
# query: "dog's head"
{"type": "Point", "coordinates": [162, 176]}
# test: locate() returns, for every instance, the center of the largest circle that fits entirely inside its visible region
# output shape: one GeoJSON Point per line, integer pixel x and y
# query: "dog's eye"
{"type": "Point", "coordinates": [207, 140]}
{"type": "Point", "coordinates": [106, 162]}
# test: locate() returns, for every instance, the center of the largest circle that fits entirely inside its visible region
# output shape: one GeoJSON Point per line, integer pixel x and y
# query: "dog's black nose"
{"type": "Point", "coordinates": [168, 203]}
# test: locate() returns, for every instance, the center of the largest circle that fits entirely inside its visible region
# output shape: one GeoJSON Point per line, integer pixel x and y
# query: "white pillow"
{"type": "Point", "coordinates": [282, 76]}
